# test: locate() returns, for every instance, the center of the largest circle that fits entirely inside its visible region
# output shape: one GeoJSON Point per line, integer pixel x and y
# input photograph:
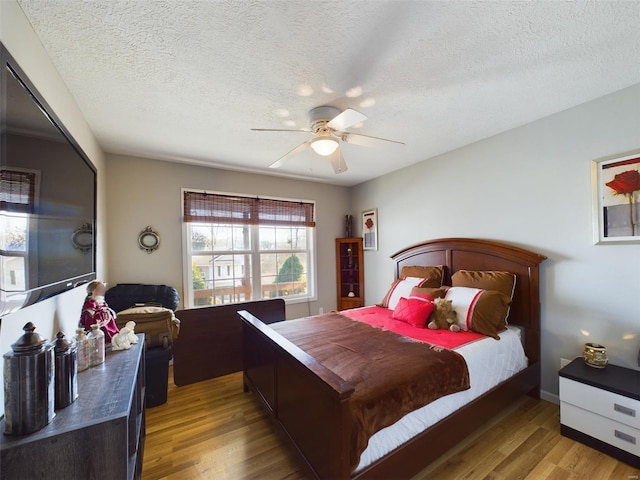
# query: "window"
{"type": "Point", "coordinates": [17, 201]}
{"type": "Point", "coordinates": [17, 191]}
{"type": "Point", "coordinates": [241, 248]}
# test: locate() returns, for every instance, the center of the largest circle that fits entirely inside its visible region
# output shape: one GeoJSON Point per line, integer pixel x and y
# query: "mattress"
{"type": "Point", "coordinates": [489, 361]}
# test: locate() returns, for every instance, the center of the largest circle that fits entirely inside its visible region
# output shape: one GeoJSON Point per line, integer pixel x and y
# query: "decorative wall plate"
{"type": "Point", "coordinates": [82, 238]}
{"type": "Point", "coordinates": [149, 240]}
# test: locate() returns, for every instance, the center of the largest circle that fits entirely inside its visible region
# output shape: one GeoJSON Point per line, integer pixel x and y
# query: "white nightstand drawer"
{"type": "Point", "coordinates": [614, 433]}
{"type": "Point", "coordinates": [608, 404]}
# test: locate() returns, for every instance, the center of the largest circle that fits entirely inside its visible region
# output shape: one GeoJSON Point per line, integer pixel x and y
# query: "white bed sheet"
{"type": "Point", "coordinates": [489, 362]}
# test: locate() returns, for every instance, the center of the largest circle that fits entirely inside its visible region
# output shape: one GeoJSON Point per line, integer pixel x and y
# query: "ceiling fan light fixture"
{"type": "Point", "coordinates": [324, 146]}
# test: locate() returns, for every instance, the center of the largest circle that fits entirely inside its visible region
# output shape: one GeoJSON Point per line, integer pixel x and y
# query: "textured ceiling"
{"type": "Point", "coordinates": [186, 80]}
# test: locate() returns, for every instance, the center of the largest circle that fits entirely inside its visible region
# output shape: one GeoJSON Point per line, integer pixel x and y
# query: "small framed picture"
{"type": "Point", "coordinates": [616, 199]}
{"type": "Point", "coordinates": [370, 229]}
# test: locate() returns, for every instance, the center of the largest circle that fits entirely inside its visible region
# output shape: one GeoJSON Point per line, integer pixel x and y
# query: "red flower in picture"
{"type": "Point", "coordinates": [369, 223]}
{"type": "Point", "coordinates": [627, 183]}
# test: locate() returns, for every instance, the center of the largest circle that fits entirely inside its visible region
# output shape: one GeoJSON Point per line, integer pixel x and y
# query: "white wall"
{"type": "Point", "coordinates": [61, 312]}
{"type": "Point", "coordinates": [530, 187]}
{"type": "Point", "coordinates": [145, 192]}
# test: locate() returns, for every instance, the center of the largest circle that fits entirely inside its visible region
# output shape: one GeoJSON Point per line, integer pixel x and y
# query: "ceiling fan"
{"type": "Point", "coordinates": [328, 126]}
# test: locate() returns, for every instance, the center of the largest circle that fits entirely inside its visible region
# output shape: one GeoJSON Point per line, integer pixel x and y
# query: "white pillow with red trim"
{"type": "Point", "coordinates": [401, 288]}
{"type": "Point", "coordinates": [482, 311]}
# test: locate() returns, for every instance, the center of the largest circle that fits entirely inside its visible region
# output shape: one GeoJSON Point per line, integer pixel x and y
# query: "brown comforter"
{"type": "Point", "coordinates": [392, 374]}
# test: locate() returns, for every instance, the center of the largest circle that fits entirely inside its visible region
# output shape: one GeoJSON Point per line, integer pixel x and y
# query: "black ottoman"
{"type": "Point", "coordinates": [157, 375]}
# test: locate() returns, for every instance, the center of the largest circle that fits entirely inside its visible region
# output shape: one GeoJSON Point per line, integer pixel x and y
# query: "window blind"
{"type": "Point", "coordinates": [17, 191]}
{"type": "Point", "coordinates": [205, 207]}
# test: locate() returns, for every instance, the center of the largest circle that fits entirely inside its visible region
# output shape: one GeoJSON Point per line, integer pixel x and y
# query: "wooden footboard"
{"type": "Point", "coordinates": [310, 403]}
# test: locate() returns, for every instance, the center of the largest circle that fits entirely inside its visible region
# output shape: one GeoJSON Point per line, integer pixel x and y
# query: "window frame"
{"type": "Point", "coordinates": [23, 210]}
{"type": "Point", "coordinates": [255, 253]}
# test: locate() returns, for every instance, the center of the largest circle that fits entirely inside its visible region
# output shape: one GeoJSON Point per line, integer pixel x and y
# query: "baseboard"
{"type": "Point", "coordinates": [549, 397]}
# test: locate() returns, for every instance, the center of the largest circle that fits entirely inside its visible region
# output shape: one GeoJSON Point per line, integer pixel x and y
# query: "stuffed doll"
{"type": "Point", "coordinates": [132, 334]}
{"type": "Point", "coordinates": [120, 340]}
{"type": "Point", "coordinates": [125, 338]}
{"type": "Point", "coordinates": [443, 316]}
{"type": "Point", "coordinates": [96, 311]}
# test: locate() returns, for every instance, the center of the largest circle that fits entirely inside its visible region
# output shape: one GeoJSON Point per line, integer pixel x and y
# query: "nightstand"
{"type": "Point", "coordinates": [600, 407]}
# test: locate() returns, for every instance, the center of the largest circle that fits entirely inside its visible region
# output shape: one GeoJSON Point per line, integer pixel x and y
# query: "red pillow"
{"type": "Point", "coordinates": [413, 310]}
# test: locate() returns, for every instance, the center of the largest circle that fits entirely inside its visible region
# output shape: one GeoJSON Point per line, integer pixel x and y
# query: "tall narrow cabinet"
{"type": "Point", "coordinates": [349, 273]}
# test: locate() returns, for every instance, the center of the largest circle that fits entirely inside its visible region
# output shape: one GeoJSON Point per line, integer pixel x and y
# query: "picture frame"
{"type": "Point", "coordinates": [616, 199]}
{"type": "Point", "coordinates": [370, 229]}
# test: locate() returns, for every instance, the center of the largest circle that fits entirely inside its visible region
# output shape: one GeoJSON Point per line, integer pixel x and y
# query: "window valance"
{"type": "Point", "coordinates": [235, 209]}
{"type": "Point", "coordinates": [17, 191]}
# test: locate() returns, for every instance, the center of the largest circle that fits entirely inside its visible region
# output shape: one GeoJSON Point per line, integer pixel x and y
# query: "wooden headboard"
{"type": "Point", "coordinates": [473, 254]}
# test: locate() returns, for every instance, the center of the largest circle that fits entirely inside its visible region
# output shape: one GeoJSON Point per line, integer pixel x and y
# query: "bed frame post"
{"type": "Point", "coordinates": [309, 402]}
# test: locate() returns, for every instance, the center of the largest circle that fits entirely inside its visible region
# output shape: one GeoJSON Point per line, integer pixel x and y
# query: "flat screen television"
{"type": "Point", "coordinates": [47, 198]}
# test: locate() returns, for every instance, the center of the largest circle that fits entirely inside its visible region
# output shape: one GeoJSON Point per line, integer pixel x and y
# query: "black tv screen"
{"type": "Point", "coordinates": [47, 198]}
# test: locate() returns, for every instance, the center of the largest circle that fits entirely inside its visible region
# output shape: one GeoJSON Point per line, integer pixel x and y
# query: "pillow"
{"type": "Point", "coordinates": [400, 288]}
{"type": "Point", "coordinates": [413, 310]}
{"type": "Point", "coordinates": [429, 293]}
{"type": "Point", "coordinates": [504, 282]}
{"type": "Point", "coordinates": [482, 311]}
{"type": "Point", "coordinates": [432, 274]}
{"type": "Point", "coordinates": [144, 309]}
{"type": "Point", "coordinates": [157, 323]}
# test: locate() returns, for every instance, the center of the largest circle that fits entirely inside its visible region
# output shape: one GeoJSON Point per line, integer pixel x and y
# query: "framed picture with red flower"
{"type": "Point", "coordinates": [370, 229]}
{"type": "Point", "coordinates": [616, 199]}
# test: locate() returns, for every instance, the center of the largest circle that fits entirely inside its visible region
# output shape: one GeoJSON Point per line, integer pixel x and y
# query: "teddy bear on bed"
{"type": "Point", "coordinates": [443, 316]}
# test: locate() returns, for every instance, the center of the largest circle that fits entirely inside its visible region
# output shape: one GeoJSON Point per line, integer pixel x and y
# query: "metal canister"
{"type": "Point", "coordinates": [66, 371]}
{"type": "Point", "coordinates": [28, 384]}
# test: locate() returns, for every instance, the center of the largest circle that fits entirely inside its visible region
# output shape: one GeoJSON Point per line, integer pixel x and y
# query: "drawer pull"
{"type": "Point", "coordinates": [625, 437]}
{"type": "Point", "coordinates": [626, 410]}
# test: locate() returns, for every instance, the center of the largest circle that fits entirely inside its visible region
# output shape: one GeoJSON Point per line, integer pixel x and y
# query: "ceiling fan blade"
{"type": "Point", "coordinates": [366, 140]}
{"type": "Point", "coordinates": [290, 154]}
{"type": "Point", "coordinates": [337, 162]}
{"type": "Point", "coordinates": [304, 130]}
{"type": "Point", "coordinates": [346, 119]}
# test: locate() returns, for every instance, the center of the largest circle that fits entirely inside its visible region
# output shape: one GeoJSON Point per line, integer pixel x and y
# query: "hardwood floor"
{"type": "Point", "coordinates": [213, 430]}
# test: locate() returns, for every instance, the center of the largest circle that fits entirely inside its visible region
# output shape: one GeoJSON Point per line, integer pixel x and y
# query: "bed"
{"type": "Point", "coordinates": [312, 403]}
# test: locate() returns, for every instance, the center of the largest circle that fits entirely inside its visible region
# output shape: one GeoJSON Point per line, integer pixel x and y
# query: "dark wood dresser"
{"type": "Point", "coordinates": [100, 435]}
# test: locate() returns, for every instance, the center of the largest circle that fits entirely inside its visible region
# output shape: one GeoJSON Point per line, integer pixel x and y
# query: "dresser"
{"type": "Point", "coordinates": [600, 407]}
{"type": "Point", "coordinates": [100, 435]}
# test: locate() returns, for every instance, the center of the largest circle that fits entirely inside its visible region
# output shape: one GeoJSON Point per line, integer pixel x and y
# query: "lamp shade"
{"type": "Point", "coordinates": [324, 146]}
